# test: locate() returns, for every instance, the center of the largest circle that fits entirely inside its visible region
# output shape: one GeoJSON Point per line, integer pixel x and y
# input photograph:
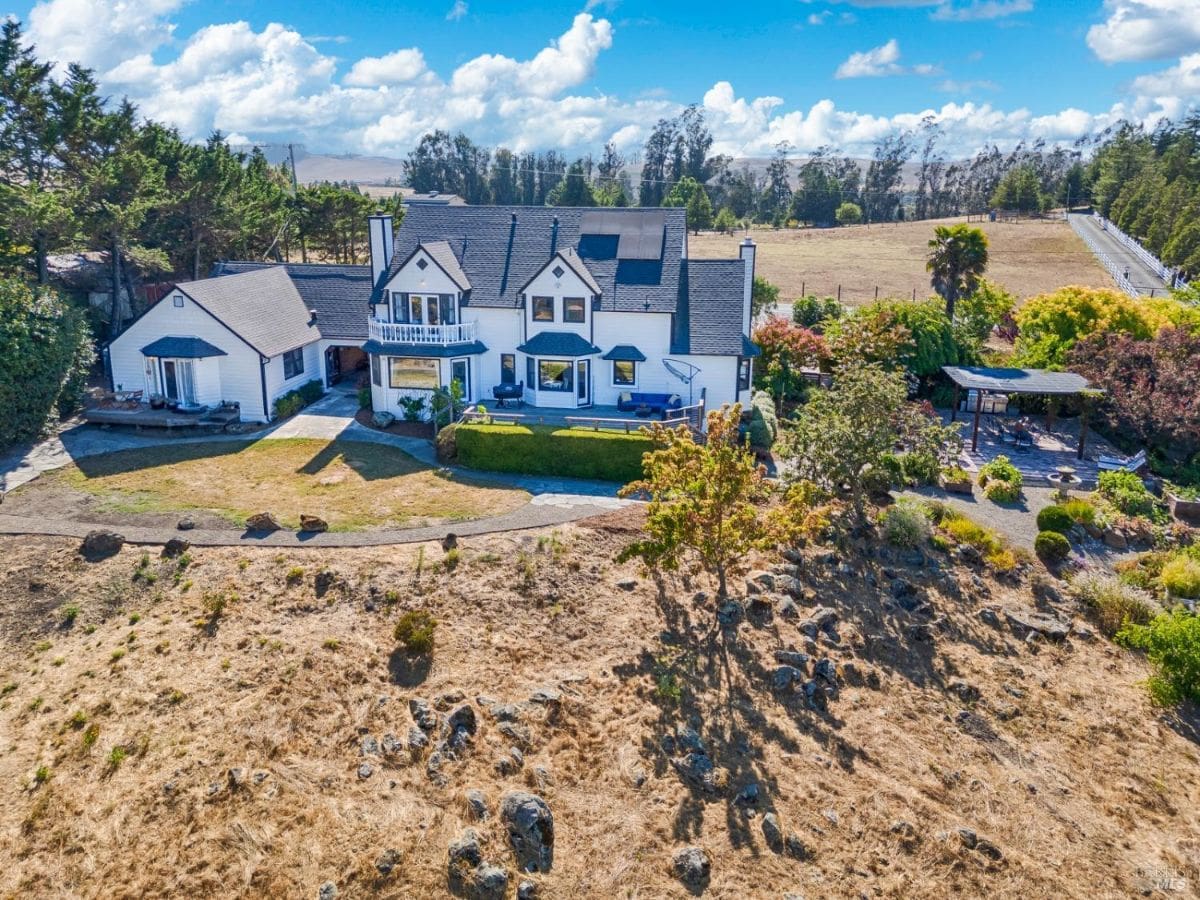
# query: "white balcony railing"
{"type": "Point", "coordinates": [404, 333]}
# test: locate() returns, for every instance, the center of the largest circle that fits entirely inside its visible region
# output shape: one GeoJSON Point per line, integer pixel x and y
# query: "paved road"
{"type": "Point", "coordinates": [1141, 276]}
{"type": "Point", "coordinates": [554, 500]}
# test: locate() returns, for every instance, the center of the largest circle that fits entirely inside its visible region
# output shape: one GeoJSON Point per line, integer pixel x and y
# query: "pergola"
{"type": "Point", "coordinates": [986, 380]}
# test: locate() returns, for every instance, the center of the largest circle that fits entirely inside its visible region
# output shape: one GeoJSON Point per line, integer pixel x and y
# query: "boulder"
{"type": "Point", "coordinates": [1024, 621]}
{"type": "Point", "coordinates": [417, 739]}
{"type": "Point", "coordinates": [477, 805]}
{"type": "Point", "coordinates": [826, 669]}
{"type": "Point", "coordinates": [627, 584]}
{"type": "Point", "coordinates": [312, 524]}
{"type": "Point", "coordinates": [382, 419]}
{"type": "Point", "coordinates": [692, 866]}
{"type": "Point", "coordinates": [463, 719]}
{"type": "Point", "coordinates": [527, 890]}
{"type": "Point", "coordinates": [965, 691]}
{"type": "Point", "coordinates": [791, 658]}
{"type": "Point", "coordinates": [327, 891]}
{"type": "Point", "coordinates": [387, 861]}
{"type": "Point", "coordinates": [772, 833]}
{"type": "Point", "coordinates": [1115, 539]}
{"type": "Point", "coordinates": [186, 524]}
{"type": "Point", "coordinates": [784, 677]}
{"type": "Point", "coordinates": [489, 882]}
{"type": "Point", "coordinates": [530, 830]}
{"type": "Point", "coordinates": [423, 714]}
{"type": "Point", "coordinates": [819, 619]}
{"type": "Point", "coordinates": [758, 582]}
{"type": "Point", "coordinates": [464, 854]}
{"type": "Point", "coordinates": [101, 544]}
{"type": "Point", "coordinates": [729, 613]}
{"type": "Point", "coordinates": [262, 521]}
{"type": "Point", "coordinates": [175, 547]}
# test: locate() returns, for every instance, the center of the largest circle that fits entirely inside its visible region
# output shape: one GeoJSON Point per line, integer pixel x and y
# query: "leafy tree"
{"type": "Point", "coordinates": [708, 501]}
{"type": "Point", "coordinates": [849, 214]}
{"type": "Point", "coordinates": [764, 297]}
{"type": "Point", "coordinates": [573, 190]}
{"type": "Point", "coordinates": [871, 336]}
{"type": "Point", "coordinates": [958, 256]}
{"type": "Point", "coordinates": [1151, 386]}
{"type": "Point", "coordinates": [1172, 644]}
{"type": "Point", "coordinates": [786, 349]}
{"type": "Point", "coordinates": [777, 192]}
{"type": "Point", "coordinates": [812, 313]}
{"type": "Point", "coordinates": [699, 211]}
{"type": "Point", "coordinates": [981, 310]}
{"type": "Point", "coordinates": [725, 222]}
{"type": "Point", "coordinates": [1020, 189]}
{"type": "Point", "coordinates": [45, 353]}
{"type": "Point", "coordinates": [1051, 324]}
{"type": "Point", "coordinates": [844, 438]}
{"type": "Point", "coordinates": [885, 177]}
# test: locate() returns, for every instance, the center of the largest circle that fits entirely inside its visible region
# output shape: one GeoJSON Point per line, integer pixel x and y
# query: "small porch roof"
{"type": "Point", "coordinates": [558, 343]}
{"type": "Point", "coordinates": [182, 348]}
{"type": "Point", "coordinates": [1016, 381]}
{"type": "Point", "coordinates": [625, 353]}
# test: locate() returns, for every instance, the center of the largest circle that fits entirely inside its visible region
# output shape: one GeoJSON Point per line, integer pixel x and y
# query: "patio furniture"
{"type": "Point", "coordinates": [657, 403]}
{"type": "Point", "coordinates": [127, 396]}
{"type": "Point", "coordinates": [1134, 463]}
{"type": "Point", "coordinates": [643, 412]}
{"type": "Point", "coordinates": [503, 392]}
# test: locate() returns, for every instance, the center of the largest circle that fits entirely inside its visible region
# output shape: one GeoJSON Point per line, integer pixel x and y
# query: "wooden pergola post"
{"type": "Point", "coordinates": [1082, 429]}
{"type": "Point", "coordinates": [975, 427]}
{"type": "Point", "coordinates": [954, 407]}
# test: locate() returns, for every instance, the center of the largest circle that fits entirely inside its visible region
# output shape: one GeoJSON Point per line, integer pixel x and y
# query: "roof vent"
{"type": "Point", "coordinates": [312, 316]}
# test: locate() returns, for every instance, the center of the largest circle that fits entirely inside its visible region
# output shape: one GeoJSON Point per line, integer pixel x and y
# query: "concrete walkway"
{"type": "Point", "coordinates": [1141, 277]}
{"type": "Point", "coordinates": [554, 500]}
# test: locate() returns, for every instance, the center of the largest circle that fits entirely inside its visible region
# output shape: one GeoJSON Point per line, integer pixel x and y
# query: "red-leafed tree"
{"type": "Point", "coordinates": [1152, 387]}
{"type": "Point", "coordinates": [786, 349]}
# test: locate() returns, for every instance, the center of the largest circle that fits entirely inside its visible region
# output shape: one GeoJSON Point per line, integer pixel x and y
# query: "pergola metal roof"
{"type": "Point", "coordinates": [1016, 381]}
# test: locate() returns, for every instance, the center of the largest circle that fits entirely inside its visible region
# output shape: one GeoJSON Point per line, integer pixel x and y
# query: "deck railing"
{"type": "Point", "coordinates": [1114, 270]}
{"type": "Point", "coordinates": [406, 333]}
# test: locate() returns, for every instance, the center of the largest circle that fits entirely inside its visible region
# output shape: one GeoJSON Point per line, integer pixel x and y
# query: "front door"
{"type": "Point", "coordinates": [171, 380]}
{"type": "Point", "coordinates": [460, 371]}
{"type": "Point", "coordinates": [178, 381]}
{"type": "Point", "coordinates": [583, 382]}
{"type": "Point", "coordinates": [333, 366]}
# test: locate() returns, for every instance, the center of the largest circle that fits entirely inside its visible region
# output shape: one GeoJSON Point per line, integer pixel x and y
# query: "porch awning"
{"type": "Point", "coordinates": [427, 351]}
{"type": "Point", "coordinates": [182, 348]}
{"type": "Point", "coordinates": [558, 343]}
{"type": "Point", "coordinates": [625, 353]}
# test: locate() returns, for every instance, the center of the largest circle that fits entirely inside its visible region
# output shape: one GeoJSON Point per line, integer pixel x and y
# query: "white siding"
{"type": "Point", "coordinates": [237, 379]}
{"type": "Point", "coordinates": [650, 333]}
{"type": "Point", "coordinates": [570, 285]}
{"type": "Point", "coordinates": [500, 332]}
{"type": "Point", "coordinates": [277, 384]}
{"type": "Point", "coordinates": [414, 280]}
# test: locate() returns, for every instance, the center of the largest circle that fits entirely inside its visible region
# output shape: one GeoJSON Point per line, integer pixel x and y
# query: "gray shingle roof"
{"type": "Point", "coordinates": [500, 254]}
{"type": "Point", "coordinates": [625, 352]}
{"type": "Point", "coordinates": [573, 262]}
{"type": "Point", "coordinates": [557, 343]}
{"type": "Point", "coordinates": [1016, 381]}
{"type": "Point", "coordinates": [710, 317]}
{"type": "Point", "coordinates": [182, 348]}
{"type": "Point", "coordinates": [262, 307]}
{"type": "Point", "coordinates": [339, 293]}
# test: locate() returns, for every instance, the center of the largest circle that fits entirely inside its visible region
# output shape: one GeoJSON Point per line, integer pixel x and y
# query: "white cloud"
{"type": "Point", "coordinates": [981, 10]}
{"type": "Point", "coordinates": [274, 84]}
{"type": "Point", "coordinates": [879, 61]}
{"type": "Point", "coordinates": [952, 86]}
{"type": "Point", "coordinates": [457, 11]}
{"type": "Point", "coordinates": [1146, 29]}
{"type": "Point", "coordinates": [819, 18]}
{"type": "Point", "coordinates": [394, 68]}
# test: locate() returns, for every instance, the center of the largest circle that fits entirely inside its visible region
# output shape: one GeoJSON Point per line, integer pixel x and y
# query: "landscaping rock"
{"type": "Point", "coordinates": [99, 545]}
{"type": "Point", "coordinates": [784, 677]}
{"type": "Point", "coordinates": [692, 866]}
{"type": "Point", "coordinates": [175, 548]}
{"type": "Point", "coordinates": [417, 739]}
{"type": "Point", "coordinates": [1024, 621]}
{"type": "Point", "coordinates": [327, 891]}
{"type": "Point", "coordinates": [186, 524]}
{"type": "Point", "coordinates": [627, 584]}
{"type": "Point", "coordinates": [423, 714]}
{"type": "Point", "coordinates": [312, 524]}
{"type": "Point", "coordinates": [965, 691]}
{"type": "Point", "coordinates": [527, 890]}
{"type": "Point", "coordinates": [791, 658]}
{"type": "Point", "coordinates": [382, 419]}
{"type": "Point", "coordinates": [1115, 539]}
{"type": "Point", "coordinates": [772, 833]}
{"type": "Point", "coordinates": [530, 830]}
{"type": "Point", "coordinates": [387, 861]}
{"type": "Point", "coordinates": [477, 804]}
{"type": "Point", "coordinates": [262, 521]}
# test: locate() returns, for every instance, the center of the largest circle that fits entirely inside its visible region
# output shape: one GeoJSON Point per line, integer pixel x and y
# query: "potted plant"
{"type": "Point", "coordinates": [157, 401]}
{"type": "Point", "coordinates": [1184, 502]}
{"type": "Point", "coordinates": [955, 480]}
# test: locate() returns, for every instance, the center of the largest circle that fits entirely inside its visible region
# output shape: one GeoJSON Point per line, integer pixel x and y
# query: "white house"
{"type": "Point", "coordinates": [566, 307]}
{"type": "Point", "coordinates": [245, 340]}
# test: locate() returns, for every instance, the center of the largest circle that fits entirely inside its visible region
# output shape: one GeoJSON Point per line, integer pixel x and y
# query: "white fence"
{"type": "Point", "coordinates": [1168, 275]}
{"type": "Point", "coordinates": [1114, 270]}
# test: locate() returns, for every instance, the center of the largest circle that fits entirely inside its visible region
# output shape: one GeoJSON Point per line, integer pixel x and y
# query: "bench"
{"type": "Point", "coordinates": [656, 403]}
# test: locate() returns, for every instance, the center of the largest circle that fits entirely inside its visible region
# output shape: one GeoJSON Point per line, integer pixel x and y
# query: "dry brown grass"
{"type": "Point", "coordinates": [353, 485]}
{"type": "Point", "coordinates": [1081, 790]}
{"type": "Point", "coordinates": [1027, 257]}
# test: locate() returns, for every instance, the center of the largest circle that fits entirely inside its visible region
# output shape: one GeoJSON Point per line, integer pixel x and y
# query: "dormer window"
{"type": "Point", "coordinates": [543, 309]}
{"type": "Point", "coordinates": [573, 309]}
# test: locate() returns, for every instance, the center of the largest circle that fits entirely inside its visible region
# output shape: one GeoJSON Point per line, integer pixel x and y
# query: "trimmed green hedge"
{"type": "Point", "coordinates": [549, 450]}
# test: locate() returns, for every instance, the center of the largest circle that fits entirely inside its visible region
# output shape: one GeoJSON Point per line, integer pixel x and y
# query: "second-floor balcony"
{"type": "Point", "coordinates": [406, 333]}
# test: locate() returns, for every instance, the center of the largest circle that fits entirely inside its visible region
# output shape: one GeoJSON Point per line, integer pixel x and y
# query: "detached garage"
{"type": "Point", "coordinates": [240, 339]}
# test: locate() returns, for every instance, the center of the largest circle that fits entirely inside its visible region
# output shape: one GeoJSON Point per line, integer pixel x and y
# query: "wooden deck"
{"type": "Point", "coordinates": [598, 416]}
{"type": "Point", "coordinates": [1050, 450]}
{"type": "Point", "coordinates": [142, 416]}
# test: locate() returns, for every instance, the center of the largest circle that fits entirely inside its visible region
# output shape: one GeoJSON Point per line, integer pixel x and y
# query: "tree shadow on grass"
{"type": "Point", "coordinates": [409, 670]}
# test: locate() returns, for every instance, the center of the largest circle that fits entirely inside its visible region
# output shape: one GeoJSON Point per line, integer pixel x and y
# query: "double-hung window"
{"type": "Point", "coordinates": [573, 309]}
{"type": "Point", "coordinates": [543, 309]}
{"type": "Point", "coordinates": [293, 363]}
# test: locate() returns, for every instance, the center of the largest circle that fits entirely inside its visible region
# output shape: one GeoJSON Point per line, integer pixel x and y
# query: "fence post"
{"type": "Point", "coordinates": [876, 292]}
{"type": "Point", "coordinates": [839, 293]}
{"type": "Point", "coordinates": [802, 293]}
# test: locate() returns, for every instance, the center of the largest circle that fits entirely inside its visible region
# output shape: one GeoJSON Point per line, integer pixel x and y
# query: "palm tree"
{"type": "Point", "coordinates": [958, 257]}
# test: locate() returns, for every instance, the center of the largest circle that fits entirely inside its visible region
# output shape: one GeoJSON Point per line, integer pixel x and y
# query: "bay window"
{"type": "Point", "coordinates": [413, 372]}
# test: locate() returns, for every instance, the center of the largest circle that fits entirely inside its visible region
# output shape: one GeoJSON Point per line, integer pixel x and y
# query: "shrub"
{"type": "Point", "coordinates": [413, 408]}
{"type": "Point", "coordinates": [965, 531]}
{"type": "Point", "coordinates": [1080, 511]}
{"type": "Point", "coordinates": [999, 469]}
{"type": "Point", "coordinates": [1181, 577]}
{"type": "Point", "coordinates": [1002, 492]}
{"type": "Point", "coordinates": [364, 398]}
{"type": "Point", "coordinates": [905, 524]}
{"type": "Point", "coordinates": [548, 450]}
{"type": "Point", "coordinates": [447, 445]}
{"type": "Point", "coordinates": [764, 425]}
{"type": "Point", "coordinates": [415, 631]}
{"type": "Point", "coordinates": [920, 467]}
{"type": "Point", "coordinates": [293, 401]}
{"type": "Point", "coordinates": [1172, 644]}
{"type": "Point", "coordinates": [1115, 603]}
{"type": "Point", "coordinates": [1051, 547]}
{"type": "Point", "coordinates": [955, 474]}
{"type": "Point", "coordinates": [1055, 518]}
{"type": "Point", "coordinates": [1127, 493]}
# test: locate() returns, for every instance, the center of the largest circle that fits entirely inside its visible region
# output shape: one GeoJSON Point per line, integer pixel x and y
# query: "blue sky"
{"type": "Point", "coordinates": [372, 76]}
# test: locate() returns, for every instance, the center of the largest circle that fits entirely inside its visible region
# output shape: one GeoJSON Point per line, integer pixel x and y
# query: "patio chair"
{"type": "Point", "coordinates": [1134, 463]}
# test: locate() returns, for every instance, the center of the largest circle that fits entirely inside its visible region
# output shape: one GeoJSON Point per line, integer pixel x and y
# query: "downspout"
{"type": "Point", "coordinates": [262, 376]}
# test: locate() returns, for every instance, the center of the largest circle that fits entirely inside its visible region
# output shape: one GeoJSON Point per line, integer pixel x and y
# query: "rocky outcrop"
{"type": "Point", "coordinates": [530, 830]}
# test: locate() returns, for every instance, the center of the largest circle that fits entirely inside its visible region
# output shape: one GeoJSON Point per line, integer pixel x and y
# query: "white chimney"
{"type": "Point", "coordinates": [746, 252]}
{"type": "Point", "coordinates": [380, 228]}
